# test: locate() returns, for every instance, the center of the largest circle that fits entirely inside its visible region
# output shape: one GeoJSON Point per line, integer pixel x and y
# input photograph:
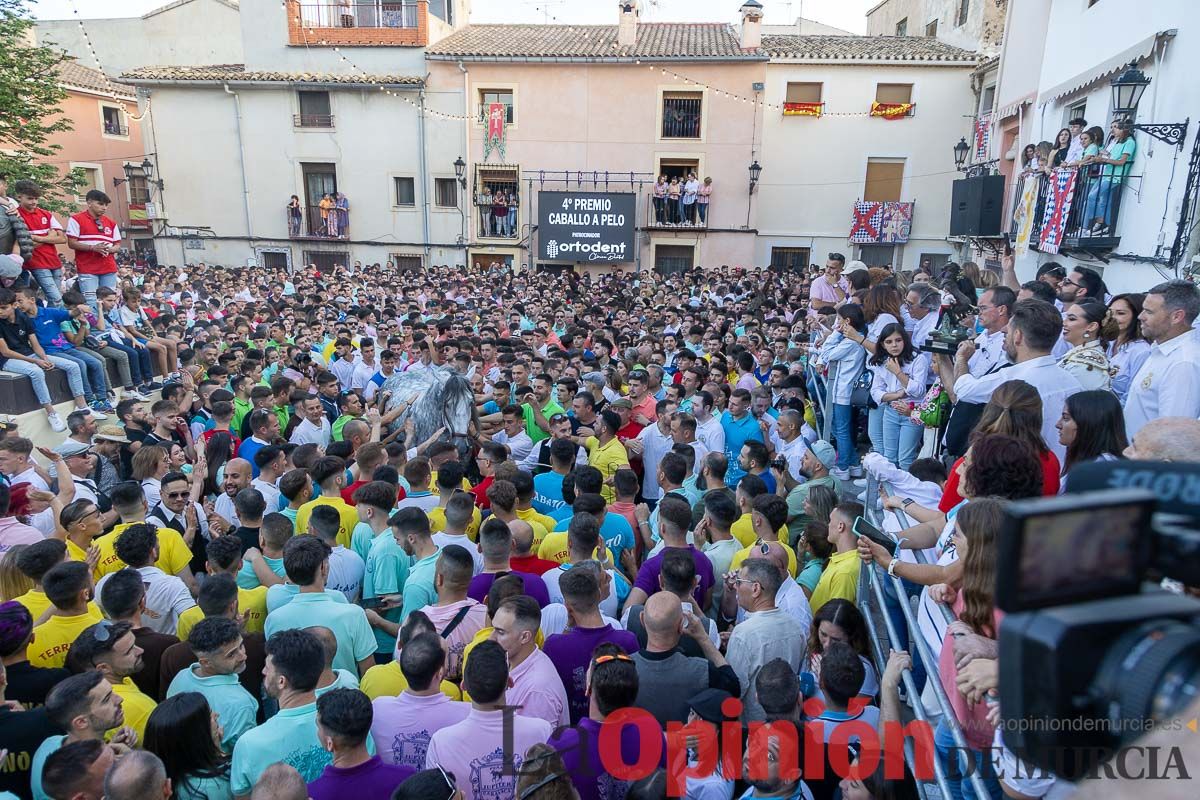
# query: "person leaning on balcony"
{"type": "Point", "coordinates": [293, 216]}
{"type": "Point", "coordinates": [328, 220]}
{"type": "Point", "coordinates": [1117, 161]}
{"type": "Point", "coordinates": [660, 200]}
{"type": "Point", "coordinates": [1076, 126]}
{"type": "Point", "coordinates": [690, 187]}
{"type": "Point", "coordinates": [484, 201]}
{"type": "Point", "coordinates": [346, 13]}
{"type": "Point", "coordinates": [702, 199]}
{"type": "Point", "coordinates": [500, 213]}
{"type": "Point", "coordinates": [1062, 146]}
{"type": "Point", "coordinates": [673, 191]}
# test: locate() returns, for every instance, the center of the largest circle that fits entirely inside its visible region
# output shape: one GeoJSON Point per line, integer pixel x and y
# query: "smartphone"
{"type": "Point", "coordinates": [864, 528]}
{"type": "Point", "coordinates": [687, 612]}
{"type": "Point", "coordinates": [375, 602]}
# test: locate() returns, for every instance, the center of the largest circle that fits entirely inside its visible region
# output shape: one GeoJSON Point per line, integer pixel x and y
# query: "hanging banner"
{"type": "Point", "coordinates": [586, 226]}
{"type": "Point", "coordinates": [891, 110]}
{"type": "Point", "coordinates": [881, 223]}
{"type": "Point", "coordinates": [897, 223]}
{"type": "Point", "coordinates": [1060, 193]}
{"type": "Point", "coordinates": [868, 218]}
{"type": "Point", "coordinates": [803, 109]}
{"type": "Point", "coordinates": [1023, 215]}
{"type": "Point", "coordinates": [983, 134]}
{"type": "Point", "coordinates": [494, 138]}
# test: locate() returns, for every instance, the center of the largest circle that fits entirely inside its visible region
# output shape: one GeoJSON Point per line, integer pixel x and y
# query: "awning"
{"type": "Point", "coordinates": [1138, 53]}
{"type": "Point", "coordinates": [1011, 109]}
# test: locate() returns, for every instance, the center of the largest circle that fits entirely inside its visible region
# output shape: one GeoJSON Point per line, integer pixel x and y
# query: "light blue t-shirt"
{"type": "Point", "coordinates": [737, 433]}
{"type": "Point", "coordinates": [615, 532]}
{"type": "Point", "coordinates": [194, 788]}
{"type": "Point", "coordinates": [236, 708]}
{"type": "Point", "coordinates": [281, 594]}
{"type": "Point", "coordinates": [419, 589]}
{"type": "Point", "coordinates": [362, 538]}
{"type": "Point", "coordinates": [246, 579]}
{"type": "Point", "coordinates": [386, 573]}
{"type": "Point", "coordinates": [45, 750]}
{"type": "Point", "coordinates": [289, 737]}
{"type": "Point", "coordinates": [547, 493]}
{"type": "Point", "coordinates": [355, 640]}
{"type": "Point", "coordinates": [342, 679]}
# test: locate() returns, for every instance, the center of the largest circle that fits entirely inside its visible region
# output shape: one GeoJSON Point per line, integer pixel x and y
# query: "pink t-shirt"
{"type": "Point", "coordinates": [973, 719]}
{"type": "Point", "coordinates": [822, 289]}
{"type": "Point", "coordinates": [474, 750]}
{"type": "Point", "coordinates": [463, 633]}
{"type": "Point", "coordinates": [539, 691]}
{"type": "Point", "coordinates": [403, 725]}
{"type": "Point", "coordinates": [14, 532]}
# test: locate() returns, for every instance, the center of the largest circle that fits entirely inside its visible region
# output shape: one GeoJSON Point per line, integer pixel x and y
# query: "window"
{"type": "Point", "coordinates": [325, 260]}
{"type": "Point", "coordinates": [796, 258]}
{"type": "Point", "coordinates": [884, 180]}
{"type": "Point", "coordinates": [274, 259]}
{"type": "Point", "coordinates": [314, 110]}
{"type": "Point", "coordinates": [964, 10]}
{"type": "Point", "coordinates": [682, 115]}
{"type": "Point", "coordinates": [935, 261]}
{"type": "Point", "coordinates": [139, 191]}
{"type": "Point", "coordinates": [1076, 110]}
{"type": "Point", "coordinates": [502, 96]}
{"type": "Point", "coordinates": [113, 124]}
{"type": "Point", "coordinates": [445, 192]}
{"type": "Point", "coordinates": [672, 258]}
{"type": "Point", "coordinates": [406, 262]}
{"type": "Point", "coordinates": [902, 27]}
{"type": "Point", "coordinates": [931, 29]}
{"type": "Point", "coordinates": [877, 255]}
{"type": "Point", "coordinates": [803, 93]}
{"type": "Point", "coordinates": [987, 100]}
{"type": "Point", "coordinates": [406, 193]}
{"type": "Point", "coordinates": [90, 179]}
{"type": "Point", "coordinates": [893, 93]}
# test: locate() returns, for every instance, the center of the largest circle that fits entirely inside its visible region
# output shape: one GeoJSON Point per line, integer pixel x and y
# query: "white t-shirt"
{"type": "Point", "coordinates": [441, 539]}
{"type": "Point", "coordinates": [346, 569]}
{"type": "Point", "coordinates": [167, 597]}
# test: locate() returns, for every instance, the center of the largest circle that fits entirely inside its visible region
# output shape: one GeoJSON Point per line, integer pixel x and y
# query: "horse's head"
{"type": "Point", "coordinates": [458, 412]}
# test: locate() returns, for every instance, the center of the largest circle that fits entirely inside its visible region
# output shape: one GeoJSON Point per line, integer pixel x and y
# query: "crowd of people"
{"type": "Point", "coordinates": [244, 576]}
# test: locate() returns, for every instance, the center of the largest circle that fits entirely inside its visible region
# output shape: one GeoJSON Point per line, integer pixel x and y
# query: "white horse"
{"type": "Point", "coordinates": [437, 397]}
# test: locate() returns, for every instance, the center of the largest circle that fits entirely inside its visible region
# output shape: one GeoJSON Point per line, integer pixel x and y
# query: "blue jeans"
{"type": "Point", "coordinates": [94, 379]}
{"type": "Point", "coordinates": [959, 788]}
{"type": "Point", "coordinates": [88, 284]}
{"type": "Point", "coordinates": [901, 438]}
{"type": "Point", "coordinates": [36, 375]}
{"type": "Point", "coordinates": [140, 368]}
{"type": "Point", "coordinates": [702, 208]}
{"type": "Point", "coordinates": [875, 428]}
{"type": "Point", "coordinates": [843, 435]}
{"type": "Point", "coordinates": [49, 281]}
{"type": "Point", "coordinates": [1100, 202]}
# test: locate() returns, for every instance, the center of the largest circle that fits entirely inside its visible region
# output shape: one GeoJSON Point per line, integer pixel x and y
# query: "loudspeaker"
{"type": "Point", "coordinates": [977, 206]}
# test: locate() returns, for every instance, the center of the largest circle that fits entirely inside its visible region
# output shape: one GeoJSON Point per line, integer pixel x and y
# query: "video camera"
{"type": "Point", "coordinates": [950, 332]}
{"type": "Point", "coordinates": [1093, 652]}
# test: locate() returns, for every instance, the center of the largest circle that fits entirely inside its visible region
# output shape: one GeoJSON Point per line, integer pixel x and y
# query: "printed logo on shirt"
{"type": "Point", "coordinates": [310, 762]}
{"type": "Point", "coordinates": [488, 781]}
{"type": "Point", "coordinates": [408, 749]}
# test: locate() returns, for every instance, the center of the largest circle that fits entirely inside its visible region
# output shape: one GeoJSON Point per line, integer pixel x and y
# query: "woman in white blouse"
{"type": "Point", "coordinates": [901, 378]}
{"type": "Point", "coordinates": [845, 359]}
{"type": "Point", "coordinates": [1087, 327]}
{"type": "Point", "coordinates": [1129, 349]}
{"type": "Point", "coordinates": [881, 307]}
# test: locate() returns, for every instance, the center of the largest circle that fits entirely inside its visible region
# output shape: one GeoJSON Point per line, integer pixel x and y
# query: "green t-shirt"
{"type": "Point", "coordinates": [531, 428]}
{"type": "Point", "coordinates": [1117, 149]}
{"type": "Point", "coordinates": [355, 640]}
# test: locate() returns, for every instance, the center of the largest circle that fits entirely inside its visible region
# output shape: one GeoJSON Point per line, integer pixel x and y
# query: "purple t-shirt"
{"type": "Point", "coordinates": [571, 653]}
{"type": "Point", "coordinates": [372, 778]}
{"type": "Point", "coordinates": [535, 587]}
{"type": "Point", "coordinates": [647, 577]}
{"type": "Point", "coordinates": [580, 750]}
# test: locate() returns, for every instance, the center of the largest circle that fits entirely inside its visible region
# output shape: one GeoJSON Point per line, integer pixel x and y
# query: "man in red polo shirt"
{"type": "Point", "coordinates": [44, 264]}
{"type": "Point", "coordinates": [94, 238]}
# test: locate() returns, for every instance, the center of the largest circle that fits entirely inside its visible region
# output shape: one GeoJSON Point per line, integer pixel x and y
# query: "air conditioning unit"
{"type": "Point", "coordinates": [153, 212]}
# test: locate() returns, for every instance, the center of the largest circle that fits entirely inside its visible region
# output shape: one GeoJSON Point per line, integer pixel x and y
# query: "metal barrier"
{"type": "Point", "coordinates": [870, 588]}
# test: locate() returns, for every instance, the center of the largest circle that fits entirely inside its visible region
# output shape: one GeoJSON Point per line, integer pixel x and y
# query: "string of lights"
{"type": "Point", "coordinates": [112, 88]}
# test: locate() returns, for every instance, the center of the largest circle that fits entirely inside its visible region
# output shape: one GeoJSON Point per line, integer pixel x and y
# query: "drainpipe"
{"type": "Point", "coordinates": [466, 199]}
{"type": "Point", "coordinates": [237, 101]}
{"type": "Point", "coordinates": [424, 177]}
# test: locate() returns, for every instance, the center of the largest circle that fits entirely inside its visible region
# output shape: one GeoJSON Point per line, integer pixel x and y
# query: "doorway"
{"type": "Point", "coordinates": [877, 255]}
{"type": "Point", "coordinates": [677, 168]}
{"type": "Point", "coordinates": [319, 180]}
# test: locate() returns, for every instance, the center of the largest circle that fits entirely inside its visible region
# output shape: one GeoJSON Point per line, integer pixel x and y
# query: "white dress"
{"type": "Point", "coordinates": [1088, 364]}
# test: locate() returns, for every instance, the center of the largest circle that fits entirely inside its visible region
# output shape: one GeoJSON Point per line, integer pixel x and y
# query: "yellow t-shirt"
{"type": "Point", "coordinates": [534, 518]}
{"type": "Point", "coordinates": [345, 511]}
{"type": "Point", "coordinates": [554, 548]}
{"type": "Point", "coordinates": [840, 579]}
{"type": "Point", "coordinates": [745, 552]}
{"type": "Point", "coordinates": [433, 487]}
{"type": "Point", "coordinates": [38, 604]}
{"type": "Point", "coordinates": [75, 552]}
{"type": "Point", "coordinates": [173, 552]}
{"type": "Point", "coordinates": [137, 706]}
{"type": "Point", "coordinates": [252, 600]}
{"type": "Point", "coordinates": [386, 680]}
{"type": "Point", "coordinates": [743, 531]}
{"type": "Point", "coordinates": [607, 458]}
{"type": "Point", "coordinates": [437, 522]}
{"type": "Point", "coordinates": [52, 639]}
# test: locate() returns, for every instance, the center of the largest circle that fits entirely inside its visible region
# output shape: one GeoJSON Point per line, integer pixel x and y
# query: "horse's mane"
{"type": "Point", "coordinates": [433, 395]}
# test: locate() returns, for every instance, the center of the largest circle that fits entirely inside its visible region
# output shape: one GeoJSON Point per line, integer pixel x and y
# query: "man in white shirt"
{"type": "Point", "coordinates": [459, 511]}
{"type": "Point", "coordinates": [513, 435]}
{"type": "Point", "coordinates": [365, 366]}
{"type": "Point", "coordinates": [315, 427]}
{"type": "Point", "coordinates": [1168, 384]}
{"type": "Point", "coordinates": [652, 443]}
{"type": "Point", "coordinates": [346, 567]}
{"type": "Point", "coordinates": [708, 426]}
{"type": "Point", "coordinates": [1075, 151]}
{"type": "Point", "coordinates": [1032, 330]}
{"type": "Point", "coordinates": [166, 595]}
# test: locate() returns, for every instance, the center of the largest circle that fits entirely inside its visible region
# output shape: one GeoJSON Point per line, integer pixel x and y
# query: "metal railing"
{"type": "Point", "coordinates": [116, 129]}
{"type": "Point", "coordinates": [379, 14]}
{"type": "Point", "coordinates": [665, 212]}
{"type": "Point", "coordinates": [312, 120]}
{"type": "Point", "coordinates": [312, 225]}
{"type": "Point", "coordinates": [870, 589]}
{"type": "Point", "coordinates": [1095, 207]}
{"type": "Point", "coordinates": [681, 117]}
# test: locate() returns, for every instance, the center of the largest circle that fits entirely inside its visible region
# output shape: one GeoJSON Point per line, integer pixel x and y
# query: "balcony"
{"type": "Point", "coordinates": [1092, 220]}
{"type": "Point", "coordinates": [115, 129]}
{"type": "Point", "coordinates": [313, 225]}
{"type": "Point", "coordinates": [312, 120]}
{"type": "Point", "coordinates": [362, 23]}
{"type": "Point", "coordinates": [663, 214]}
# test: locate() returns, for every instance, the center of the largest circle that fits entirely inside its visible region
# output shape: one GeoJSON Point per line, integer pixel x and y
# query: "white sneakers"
{"type": "Point", "coordinates": [56, 422]}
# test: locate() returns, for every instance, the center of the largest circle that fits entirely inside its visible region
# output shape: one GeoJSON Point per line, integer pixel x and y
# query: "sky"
{"type": "Point", "coordinates": [847, 14]}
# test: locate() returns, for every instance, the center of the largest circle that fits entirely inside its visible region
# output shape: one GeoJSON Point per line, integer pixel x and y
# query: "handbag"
{"type": "Point", "coordinates": [860, 392]}
{"type": "Point", "coordinates": [933, 408]}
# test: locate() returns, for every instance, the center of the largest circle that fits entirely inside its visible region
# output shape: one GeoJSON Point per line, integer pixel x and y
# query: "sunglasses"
{"type": "Point", "coordinates": [614, 657]}
{"type": "Point", "coordinates": [176, 495]}
{"type": "Point", "coordinates": [448, 777]}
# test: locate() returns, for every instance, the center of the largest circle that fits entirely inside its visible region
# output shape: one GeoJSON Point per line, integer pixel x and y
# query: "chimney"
{"type": "Point", "coordinates": [628, 12]}
{"type": "Point", "coordinates": [752, 14]}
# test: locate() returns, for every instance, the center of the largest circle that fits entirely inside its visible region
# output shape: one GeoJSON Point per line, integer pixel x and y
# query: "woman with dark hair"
{"type": "Point", "coordinates": [217, 453]}
{"type": "Point", "coordinates": [895, 388]}
{"type": "Point", "coordinates": [1062, 145]}
{"type": "Point", "coordinates": [1092, 428]}
{"type": "Point", "coordinates": [845, 359]}
{"type": "Point", "coordinates": [859, 278]}
{"type": "Point", "coordinates": [184, 732]}
{"type": "Point", "coordinates": [293, 216]}
{"type": "Point", "coordinates": [839, 621]}
{"type": "Point", "coordinates": [1129, 349]}
{"type": "Point", "coordinates": [1088, 328]}
{"type": "Point", "coordinates": [814, 550]}
{"type": "Point", "coordinates": [881, 307]}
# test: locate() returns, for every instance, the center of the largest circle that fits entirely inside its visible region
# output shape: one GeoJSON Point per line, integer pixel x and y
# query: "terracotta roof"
{"type": "Point", "coordinates": [655, 40]}
{"type": "Point", "coordinates": [236, 73]}
{"type": "Point", "coordinates": [72, 74]}
{"type": "Point", "coordinates": [233, 4]}
{"type": "Point", "coordinates": [865, 48]}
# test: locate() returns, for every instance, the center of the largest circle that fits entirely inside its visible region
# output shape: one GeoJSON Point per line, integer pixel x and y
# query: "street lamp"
{"type": "Point", "coordinates": [960, 153]}
{"type": "Point", "coordinates": [147, 172]}
{"type": "Point", "coordinates": [460, 171]}
{"type": "Point", "coordinates": [1127, 91]}
{"type": "Point", "coordinates": [755, 172]}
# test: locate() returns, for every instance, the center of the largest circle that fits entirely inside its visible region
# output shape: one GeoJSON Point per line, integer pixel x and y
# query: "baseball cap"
{"type": "Point", "coordinates": [621, 402]}
{"type": "Point", "coordinates": [823, 451]}
{"type": "Point", "coordinates": [596, 378]}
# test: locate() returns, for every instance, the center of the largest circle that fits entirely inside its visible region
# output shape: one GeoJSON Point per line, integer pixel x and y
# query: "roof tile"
{"type": "Point", "coordinates": [237, 72]}
{"type": "Point", "coordinates": [654, 40]}
{"type": "Point", "coordinates": [864, 48]}
{"type": "Point", "coordinates": [73, 74]}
